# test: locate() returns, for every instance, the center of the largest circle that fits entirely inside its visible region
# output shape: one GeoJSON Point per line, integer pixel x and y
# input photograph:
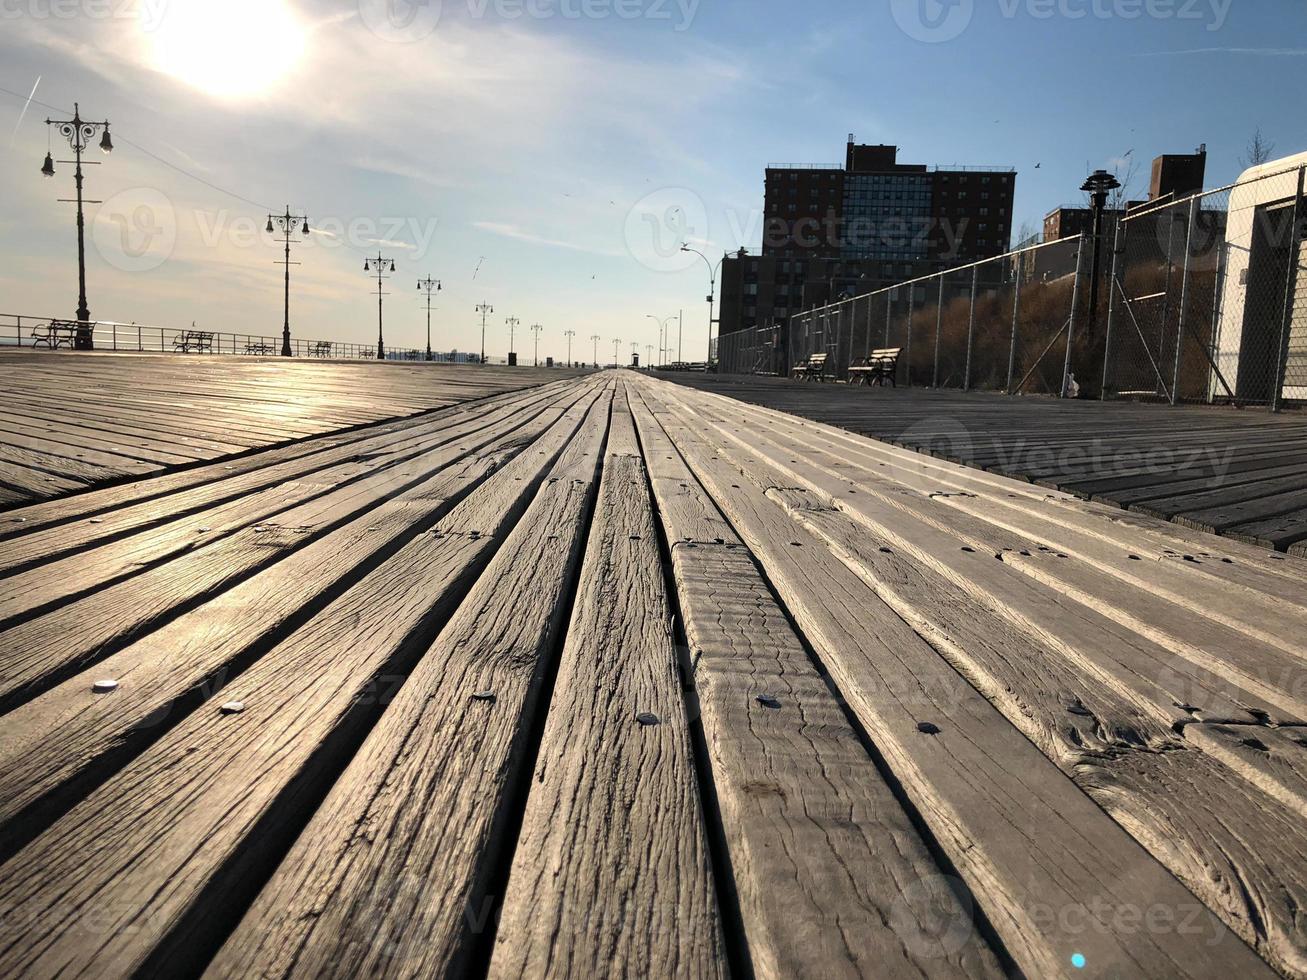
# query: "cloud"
{"type": "Point", "coordinates": [521, 235]}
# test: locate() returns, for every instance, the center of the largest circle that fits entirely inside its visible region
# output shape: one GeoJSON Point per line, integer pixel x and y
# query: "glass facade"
{"type": "Point", "coordinates": [887, 216]}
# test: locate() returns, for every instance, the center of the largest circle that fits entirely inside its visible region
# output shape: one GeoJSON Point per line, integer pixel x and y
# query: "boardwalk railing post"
{"type": "Point", "coordinates": [1016, 315]}
{"type": "Point", "coordinates": [1184, 300]}
{"type": "Point", "coordinates": [1071, 320]}
{"type": "Point", "coordinates": [1290, 292]}
{"type": "Point", "coordinates": [939, 328]}
{"type": "Point", "coordinates": [1111, 307]}
{"type": "Point", "coordinates": [971, 327]}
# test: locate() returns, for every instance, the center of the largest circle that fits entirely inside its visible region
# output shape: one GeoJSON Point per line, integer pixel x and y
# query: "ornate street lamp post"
{"type": "Point", "coordinates": [381, 270]}
{"type": "Point", "coordinates": [536, 328]}
{"type": "Point", "coordinates": [485, 309]}
{"type": "Point", "coordinates": [287, 222]}
{"type": "Point", "coordinates": [513, 323]}
{"type": "Point", "coordinates": [79, 134]}
{"type": "Point", "coordinates": [431, 286]}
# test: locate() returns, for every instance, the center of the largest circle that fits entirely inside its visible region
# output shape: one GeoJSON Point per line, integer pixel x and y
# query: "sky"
{"type": "Point", "coordinates": [549, 157]}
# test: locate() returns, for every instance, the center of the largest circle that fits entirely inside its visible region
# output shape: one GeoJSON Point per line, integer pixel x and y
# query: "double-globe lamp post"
{"type": "Point", "coordinates": [485, 309]}
{"type": "Point", "coordinates": [79, 134]}
{"type": "Point", "coordinates": [381, 270]}
{"type": "Point", "coordinates": [287, 222]}
{"type": "Point", "coordinates": [431, 286]}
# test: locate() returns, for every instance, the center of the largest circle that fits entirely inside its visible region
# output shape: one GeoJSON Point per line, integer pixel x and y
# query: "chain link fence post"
{"type": "Point", "coordinates": [1111, 309]}
{"type": "Point", "coordinates": [1182, 319]}
{"type": "Point", "coordinates": [939, 328]}
{"type": "Point", "coordinates": [912, 307]}
{"type": "Point", "coordinates": [1290, 294]}
{"type": "Point", "coordinates": [971, 327]}
{"type": "Point", "coordinates": [1016, 315]}
{"type": "Point", "coordinates": [1071, 321]}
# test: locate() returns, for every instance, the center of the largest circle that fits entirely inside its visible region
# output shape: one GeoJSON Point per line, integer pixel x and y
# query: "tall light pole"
{"type": "Point", "coordinates": [512, 322]}
{"type": "Point", "coordinates": [648, 357]}
{"type": "Point", "coordinates": [570, 334]}
{"type": "Point", "coordinates": [380, 262]}
{"type": "Point", "coordinates": [431, 286]}
{"type": "Point", "coordinates": [79, 134]}
{"type": "Point", "coordinates": [596, 338]}
{"type": "Point", "coordinates": [680, 328]}
{"type": "Point", "coordinates": [484, 309]}
{"type": "Point", "coordinates": [662, 334]}
{"type": "Point", "coordinates": [536, 328]}
{"type": "Point", "coordinates": [712, 290]}
{"type": "Point", "coordinates": [287, 222]}
{"type": "Point", "coordinates": [616, 344]}
{"type": "Point", "coordinates": [1098, 186]}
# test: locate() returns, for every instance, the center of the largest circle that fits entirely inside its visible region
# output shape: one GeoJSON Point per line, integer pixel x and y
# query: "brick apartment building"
{"type": "Point", "coordinates": [836, 230]}
{"type": "Point", "coordinates": [1174, 177]}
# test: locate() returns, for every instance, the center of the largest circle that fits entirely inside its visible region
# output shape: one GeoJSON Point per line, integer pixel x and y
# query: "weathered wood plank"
{"type": "Point", "coordinates": [611, 875]}
{"type": "Point", "coordinates": [1177, 802]}
{"type": "Point", "coordinates": [71, 637]}
{"type": "Point", "coordinates": [43, 531]}
{"type": "Point", "coordinates": [170, 869]}
{"type": "Point", "coordinates": [313, 487]}
{"type": "Point", "coordinates": [832, 877]}
{"type": "Point", "coordinates": [418, 902]}
{"type": "Point", "coordinates": [979, 784]}
{"type": "Point", "coordinates": [56, 744]}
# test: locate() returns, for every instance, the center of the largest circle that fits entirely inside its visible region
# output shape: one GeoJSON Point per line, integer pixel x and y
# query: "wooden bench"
{"type": "Point", "coordinates": [321, 348]}
{"type": "Point", "coordinates": [198, 341]}
{"type": "Point", "coordinates": [258, 347]}
{"type": "Point", "coordinates": [813, 369]}
{"type": "Point", "coordinates": [55, 334]}
{"type": "Point", "coordinates": [877, 367]}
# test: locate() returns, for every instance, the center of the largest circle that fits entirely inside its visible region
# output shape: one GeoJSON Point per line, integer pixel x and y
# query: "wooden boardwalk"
{"type": "Point", "coordinates": [70, 421]}
{"type": "Point", "coordinates": [612, 677]}
{"type": "Point", "coordinates": [1238, 473]}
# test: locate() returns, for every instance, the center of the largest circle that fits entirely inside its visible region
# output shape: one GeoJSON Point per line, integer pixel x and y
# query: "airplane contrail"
{"type": "Point", "coordinates": [23, 114]}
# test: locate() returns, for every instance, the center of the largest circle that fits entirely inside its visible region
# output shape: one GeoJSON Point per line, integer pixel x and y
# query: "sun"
{"type": "Point", "coordinates": [229, 49]}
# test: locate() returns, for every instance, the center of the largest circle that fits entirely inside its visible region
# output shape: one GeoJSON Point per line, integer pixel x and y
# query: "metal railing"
{"type": "Point", "coordinates": [27, 331]}
{"type": "Point", "coordinates": [1198, 300]}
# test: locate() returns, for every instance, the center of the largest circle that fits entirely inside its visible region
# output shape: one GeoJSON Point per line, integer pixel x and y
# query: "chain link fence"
{"type": "Point", "coordinates": [997, 325]}
{"type": "Point", "coordinates": [1200, 300]}
{"type": "Point", "coordinates": [1209, 300]}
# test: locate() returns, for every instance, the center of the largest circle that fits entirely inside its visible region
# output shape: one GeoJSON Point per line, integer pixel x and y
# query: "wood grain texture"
{"type": "Point", "coordinates": [56, 528]}
{"type": "Point", "coordinates": [377, 886]}
{"type": "Point", "coordinates": [967, 773]}
{"type": "Point", "coordinates": [611, 876]}
{"type": "Point", "coordinates": [245, 783]}
{"type": "Point", "coordinates": [1075, 446]}
{"type": "Point", "coordinates": [832, 877]}
{"type": "Point", "coordinates": [74, 635]}
{"type": "Point", "coordinates": [151, 412]}
{"type": "Point", "coordinates": [53, 744]}
{"type": "Point", "coordinates": [1130, 761]}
